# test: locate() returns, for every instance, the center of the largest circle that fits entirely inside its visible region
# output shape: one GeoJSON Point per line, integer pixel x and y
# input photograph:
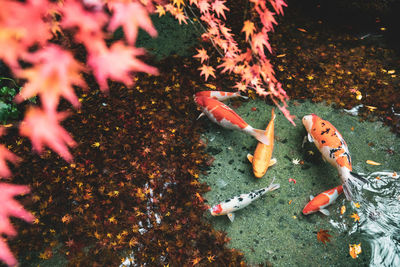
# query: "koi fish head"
{"type": "Point", "coordinates": [308, 121]}
{"type": "Point", "coordinates": [216, 210]}
{"type": "Point", "coordinates": [201, 100]}
{"type": "Point", "coordinates": [310, 208]}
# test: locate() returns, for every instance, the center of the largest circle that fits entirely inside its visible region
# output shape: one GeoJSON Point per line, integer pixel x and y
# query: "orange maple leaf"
{"type": "Point", "coordinates": [323, 236]}
{"type": "Point", "coordinates": [248, 28]}
{"type": "Point", "coordinates": [44, 129]}
{"type": "Point", "coordinates": [180, 16]}
{"type": "Point", "coordinates": [202, 54]}
{"type": "Point", "coordinates": [206, 71]}
{"type": "Point", "coordinates": [10, 207]}
{"type": "Point", "coordinates": [53, 75]}
{"type": "Point", "coordinates": [131, 16]}
{"type": "Point", "coordinates": [117, 63]}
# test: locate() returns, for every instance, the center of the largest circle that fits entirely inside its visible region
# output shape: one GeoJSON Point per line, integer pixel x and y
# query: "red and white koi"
{"type": "Point", "coordinates": [334, 149]}
{"type": "Point", "coordinates": [220, 95]}
{"type": "Point", "coordinates": [228, 207]}
{"type": "Point", "coordinates": [223, 115]}
{"type": "Point", "coordinates": [320, 202]}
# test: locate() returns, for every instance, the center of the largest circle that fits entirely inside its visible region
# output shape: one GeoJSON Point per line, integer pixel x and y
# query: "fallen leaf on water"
{"type": "Point", "coordinates": [354, 250]}
{"type": "Point", "coordinates": [371, 162]}
{"type": "Point", "coordinates": [323, 236]}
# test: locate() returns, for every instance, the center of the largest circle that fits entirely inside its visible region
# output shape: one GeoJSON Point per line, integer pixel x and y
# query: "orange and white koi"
{"type": "Point", "coordinates": [228, 207]}
{"type": "Point", "coordinates": [334, 150]}
{"type": "Point", "coordinates": [263, 153]}
{"type": "Point", "coordinates": [223, 115]}
{"type": "Point", "coordinates": [320, 202]}
{"type": "Point", "coordinates": [220, 95]}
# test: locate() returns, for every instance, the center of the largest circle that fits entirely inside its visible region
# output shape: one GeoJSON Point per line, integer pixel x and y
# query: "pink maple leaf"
{"type": "Point", "coordinates": [53, 75]}
{"type": "Point", "coordinates": [228, 64]}
{"type": "Point", "coordinates": [277, 5]}
{"type": "Point", "coordinates": [207, 71]}
{"type": "Point", "coordinates": [204, 6]}
{"type": "Point", "coordinates": [44, 129]}
{"type": "Point", "coordinates": [10, 207]}
{"type": "Point", "coordinates": [89, 23]}
{"type": "Point", "coordinates": [6, 155]}
{"type": "Point", "coordinates": [219, 7]}
{"type": "Point", "coordinates": [260, 40]}
{"type": "Point", "coordinates": [131, 16]}
{"type": "Point", "coordinates": [21, 25]}
{"type": "Point", "coordinates": [117, 62]}
{"type": "Point", "coordinates": [202, 54]}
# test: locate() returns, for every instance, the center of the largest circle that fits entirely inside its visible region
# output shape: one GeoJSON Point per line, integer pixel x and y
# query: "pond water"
{"type": "Point", "coordinates": [273, 228]}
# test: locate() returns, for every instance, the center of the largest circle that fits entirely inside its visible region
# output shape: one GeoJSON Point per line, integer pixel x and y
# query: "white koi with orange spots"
{"type": "Point", "coordinates": [228, 207]}
{"type": "Point", "coordinates": [334, 149]}
{"type": "Point", "coordinates": [320, 202]}
{"type": "Point", "coordinates": [223, 115]}
{"type": "Point", "coordinates": [220, 95]}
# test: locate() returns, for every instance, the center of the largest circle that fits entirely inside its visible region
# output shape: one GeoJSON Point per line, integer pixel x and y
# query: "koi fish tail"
{"type": "Point", "coordinates": [353, 184]}
{"type": "Point", "coordinates": [260, 136]}
{"type": "Point", "coordinates": [272, 186]}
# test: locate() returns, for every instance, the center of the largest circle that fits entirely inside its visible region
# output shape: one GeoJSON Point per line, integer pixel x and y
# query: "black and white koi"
{"type": "Point", "coordinates": [228, 207]}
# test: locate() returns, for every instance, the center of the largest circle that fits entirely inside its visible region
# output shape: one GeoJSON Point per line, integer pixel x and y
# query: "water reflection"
{"type": "Point", "coordinates": [380, 217]}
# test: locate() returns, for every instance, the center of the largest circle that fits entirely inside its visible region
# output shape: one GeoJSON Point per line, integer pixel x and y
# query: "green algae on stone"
{"type": "Point", "coordinates": [273, 228]}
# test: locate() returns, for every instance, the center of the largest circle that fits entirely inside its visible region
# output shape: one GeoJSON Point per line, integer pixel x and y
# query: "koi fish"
{"type": "Point", "coordinates": [223, 115]}
{"type": "Point", "coordinates": [334, 150]}
{"type": "Point", "coordinates": [262, 155]}
{"type": "Point", "coordinates": [320, 202]}
{"type": "Point", "coordinates": [228, 207]}
{"type": "Point", "coordinates": [220, 95]}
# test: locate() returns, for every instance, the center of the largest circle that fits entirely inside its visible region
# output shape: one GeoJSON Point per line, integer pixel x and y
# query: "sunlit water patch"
{"type": "Point", "coordinates": [380, 217]}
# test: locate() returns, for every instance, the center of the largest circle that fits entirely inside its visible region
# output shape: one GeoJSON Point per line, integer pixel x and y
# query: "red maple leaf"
{"type": "Point", "coordinates": [131, 16]}
{"type": "Point", "coordinates": [323, 236]}
{"type": "Point", "coordinates": [117, 62]}
{"type": "Point", "coordinates": [10, 207]}
{"type": "Point", "coordinates": [44, 129]}
{"type": "Point", "coordinates": [6, 155]}
{"type": "Point", "coordinates": [53, 75]}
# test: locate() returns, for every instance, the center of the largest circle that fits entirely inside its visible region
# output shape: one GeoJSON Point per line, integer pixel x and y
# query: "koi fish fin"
{"type": "Point", "coordinates": [354, 182]}
{"type": "Point", "coordinates": [273, 115]}
{"type": "Point", "coordinates": [310, 139]}
{"type": "Point", "coordinates": [311, 197]}
{"type": "Point", "coordinates": [272, 162]}
{"type": "Point", "coordinates": [250, 158]}
{"type": "Point", "coordinates": [260, 136]}
{"type": "Point", "coordinates": [231, 216]}
{"type": "Point", "coordinates": [243, 96]}
{"type": "Point", "coordinates": [325, 212]}
{"type": "Point", "coordinates": [272, 186]}
{"type": "Point", "coordinates": [201, 115]}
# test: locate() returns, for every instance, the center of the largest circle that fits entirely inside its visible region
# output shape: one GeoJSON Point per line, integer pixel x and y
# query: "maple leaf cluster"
{"type": "Point", "coordinates": [250, 64]}
{"type": "Point", "coordinates": [30, 46]}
